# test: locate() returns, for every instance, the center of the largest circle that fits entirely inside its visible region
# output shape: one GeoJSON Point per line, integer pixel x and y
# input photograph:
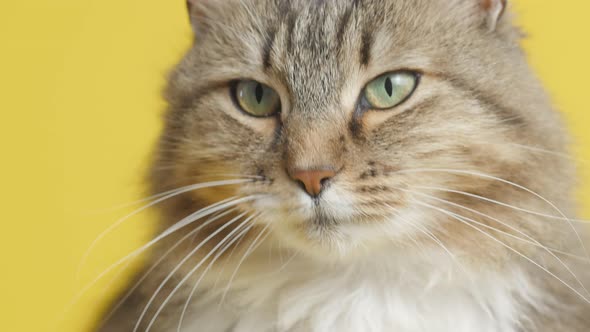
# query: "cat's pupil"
{"type": "Point", "coordinates": [259, 93]}
{"type": "Point", "coordinates": [389, 86]}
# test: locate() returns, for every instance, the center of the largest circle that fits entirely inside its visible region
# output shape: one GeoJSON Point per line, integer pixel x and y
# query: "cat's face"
{"type": "Point", "coordinates": [334, 172]}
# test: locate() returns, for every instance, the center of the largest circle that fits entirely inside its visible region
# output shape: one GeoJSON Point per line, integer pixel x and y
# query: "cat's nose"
{"type": "Point", "coordinates": [313, 181]}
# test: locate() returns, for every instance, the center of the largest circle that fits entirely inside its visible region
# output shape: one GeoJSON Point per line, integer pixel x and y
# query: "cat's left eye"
{"type": "Point", "coordinates": [390, 90]}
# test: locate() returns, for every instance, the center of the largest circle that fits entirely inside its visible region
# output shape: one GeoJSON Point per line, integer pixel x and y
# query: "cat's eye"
{"type": "Point", "coordinates": [390, 90]}
{"type": "Point", "coordinates": [256, 99]}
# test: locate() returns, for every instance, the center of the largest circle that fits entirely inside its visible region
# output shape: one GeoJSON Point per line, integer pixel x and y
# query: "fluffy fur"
{"type": "Point", "coordinates": [448, 213]}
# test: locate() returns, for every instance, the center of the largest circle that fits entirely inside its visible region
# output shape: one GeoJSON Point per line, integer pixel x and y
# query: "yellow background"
{"type": "Point", "coordinates": [79, 96]}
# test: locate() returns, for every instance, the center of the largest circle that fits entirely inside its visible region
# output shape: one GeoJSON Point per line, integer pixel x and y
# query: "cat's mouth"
{"type": "Point", "coordinates": [323, 220]}
{"type": "Point", "coordinates": [321, 216]}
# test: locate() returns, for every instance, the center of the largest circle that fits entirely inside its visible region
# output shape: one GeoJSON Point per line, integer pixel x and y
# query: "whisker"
{"type": "Point", "coordinates": [136, 202]}
{"type": "Point", "coordinates": [159, 261]}
{"type": "Point", "coordinates": [284, 266]}
{"type": "Point", "coordinates": [436, 240]}
{"type": "Point", "coordinates": [221, 252]}
{"type": "Point", "coordinates": [190, 219]}
{"type": "Point", "coordinates": [191, 272]}
{"type": "Point", "coordinates": [270, 247]}
{"type": "Point", "coordinates": [410, 236]}
{"type": "Point", "coordinates": [227, 260]}
{"type": "Point", "coordinates": [501, 203]}
{"type": "Point", "coordinates": [456, 217]}
{"type": "Point", "coordinates": [531, 239]}
{"type": "Point", "coordinates": [181, 263]}
{"type": "Point", "coordinates": [251, 177]}
{"type": "Point", "coordinates": [548, 152]}
{"type": "Point", "coordinates": [486, 176]}
{"type": "Point", "coordinates": [250, 249]}
{"type": "Point", "coordinates": [183, 223]}
{"type": "Point", "coordinates": [167, 196]}
{"type": "Point", "coordinates": [281, 251]}
{"type": "Point", "coordinates": [162, 194]}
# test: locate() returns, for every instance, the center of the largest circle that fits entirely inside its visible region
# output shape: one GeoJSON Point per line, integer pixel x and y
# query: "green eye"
{"type": "Point", "coordinates": [257, 99]}
{"type": "Point", "coordinates": [390, 90]}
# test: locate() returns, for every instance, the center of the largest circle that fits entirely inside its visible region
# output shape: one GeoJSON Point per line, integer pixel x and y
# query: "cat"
{"type": "Point", "coordinates": [361, 165]}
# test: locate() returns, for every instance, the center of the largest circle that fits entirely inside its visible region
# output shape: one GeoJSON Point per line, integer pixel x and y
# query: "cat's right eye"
{"type": "Point", "coordinates": [256, 99]}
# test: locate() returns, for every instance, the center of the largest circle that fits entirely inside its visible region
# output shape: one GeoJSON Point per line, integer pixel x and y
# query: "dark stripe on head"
{"type": "Point", "coordinates": [267, 49]}
{"type": "Point", "coordinates": [366, 46]}
{"type": "Point", "coordinates": [342, 25]}
{"type": "Point", "coordinates": [284, 7]}
{"type": "Point", "coordinates": [289, 18]}
{"type": "Point", "coordinates": [291, 21]}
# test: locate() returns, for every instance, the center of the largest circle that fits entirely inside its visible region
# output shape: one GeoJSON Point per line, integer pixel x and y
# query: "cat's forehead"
{"type": "Point", "coordinates": [308, 48]}
{"type": "Point", "coordinates": [312, 46]}
{"type": "Point", "coordinates": [311, 32]}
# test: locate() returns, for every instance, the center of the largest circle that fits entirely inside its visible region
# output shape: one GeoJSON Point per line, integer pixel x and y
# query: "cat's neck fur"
{"type": "Point", "coordinates": [429, 291]}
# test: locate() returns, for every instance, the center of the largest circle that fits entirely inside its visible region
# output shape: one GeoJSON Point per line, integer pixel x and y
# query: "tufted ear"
{"type": "Point", "coordinates": [191, 6]}
{"type": "Point", "coordinates": [197, 10]}
{"type": "Point", "coordinates": [494, 10]}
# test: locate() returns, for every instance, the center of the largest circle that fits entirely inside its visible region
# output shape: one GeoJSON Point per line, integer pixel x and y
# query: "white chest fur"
{"type": "Point", "coordinates": [390, 295]}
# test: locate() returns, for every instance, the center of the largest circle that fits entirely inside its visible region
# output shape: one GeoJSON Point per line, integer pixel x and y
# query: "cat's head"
{"type": "Point", "coordinates": [354, 121]}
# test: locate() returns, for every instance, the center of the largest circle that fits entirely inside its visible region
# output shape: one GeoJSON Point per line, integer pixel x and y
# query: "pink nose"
{"type": "Point", "coordinates": [313, 181]}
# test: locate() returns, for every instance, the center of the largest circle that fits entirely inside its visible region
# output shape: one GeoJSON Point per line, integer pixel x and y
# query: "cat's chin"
{"type": "Point", "coordinates": [344, 237]}
{"type": "Point", "coordinates": [320, 237]}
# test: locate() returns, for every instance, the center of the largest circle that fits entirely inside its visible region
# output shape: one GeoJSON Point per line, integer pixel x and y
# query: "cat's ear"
{"type": "Point", "coordinates": [191, 6]}
{"type": "Point", "coordinates": [196, 11]}
{"type": "Point", "coordinates": [494, 10]}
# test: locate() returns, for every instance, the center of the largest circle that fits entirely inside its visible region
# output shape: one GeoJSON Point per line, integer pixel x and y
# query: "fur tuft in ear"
{"type": "Point", "coordinates": [190, 5]}
{"type": "Point", "coordinates": [197, 10]}
{"type": "Point", "coordinates": [494, 9]}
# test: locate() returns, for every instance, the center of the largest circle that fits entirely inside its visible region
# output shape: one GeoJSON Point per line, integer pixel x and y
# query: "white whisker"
{"type": "Point", "coordinates": [181, 263]}
{"type": "Point", "coordinates": [548, 152]}
{"type": "Point", "coordinates": [456, 217]}
{"type": "Point", "coordinates": [191, 272]}
{"type": "Point", "coordinates": [436, 240]}
{"type": "Point", "coordinates": [159, 261]}
{"type": "Point", "coordinates": [486, 176]}
{"type": "Point", "coordinates": [165, 193]}
{"type": "Point", "coordinates": [531, 239]}
{"type": "Point", "coordinates": [501, 204]}
{"type": "Point", "coordinates": [250, 249]}
{"type": "Point", "coordinates": [228, 258]}
{"type": "Point", "coordinates": [164, 197]}
{"type": "Point", "coordinates": [194, 289]}
{"type": "Point", "coordinates": [183, 223]}
{"type": "Point", "coordinates": [136, 202]}
{"type": "Point", "coordinates": [284, 266]}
